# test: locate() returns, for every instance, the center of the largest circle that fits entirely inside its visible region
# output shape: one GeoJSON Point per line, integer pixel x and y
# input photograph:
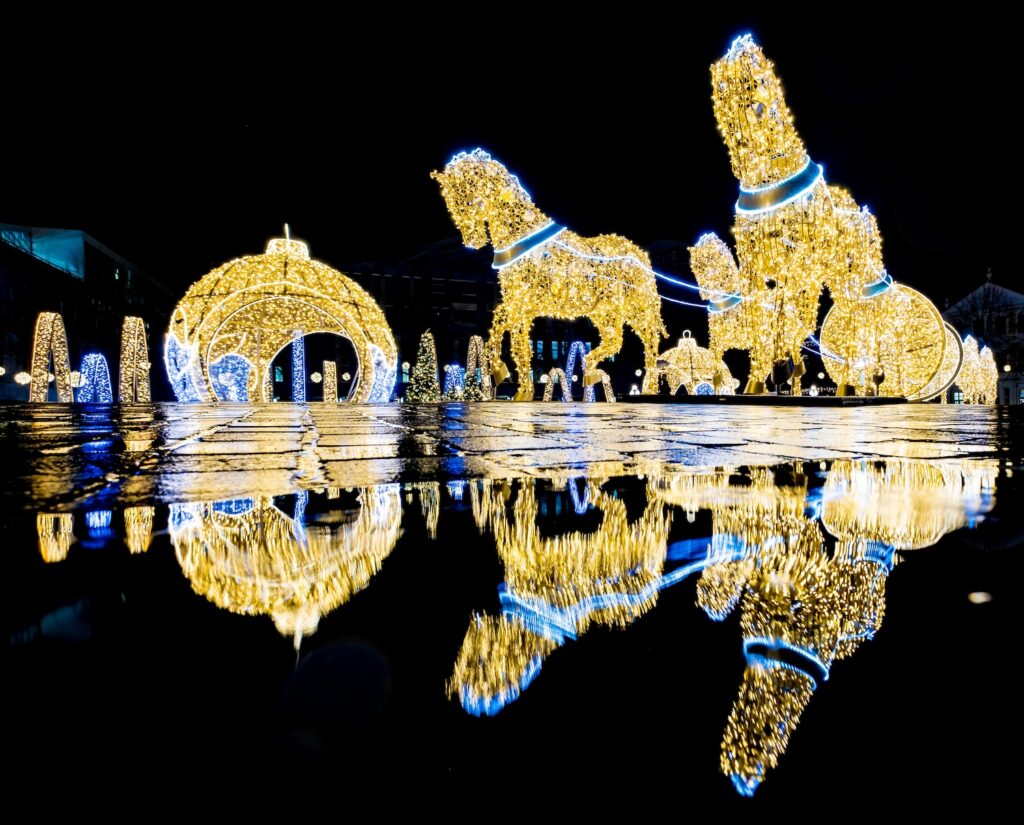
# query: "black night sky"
{"type": "Point", "coordinates": [184, 155]}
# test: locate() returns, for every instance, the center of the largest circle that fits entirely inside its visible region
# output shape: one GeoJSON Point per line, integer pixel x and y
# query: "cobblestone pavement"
{"type": "Point", "coordinates": [59, 455]}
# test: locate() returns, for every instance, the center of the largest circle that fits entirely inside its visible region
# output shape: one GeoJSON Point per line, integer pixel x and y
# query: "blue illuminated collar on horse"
{"type": "Point", "coordinates": [503, 257]}
{"type": "Point", "coordinates": [878, 287]}
{"type": "Point", "coordinates": [778, 194]}
{"type": "Point", "coordinates": [722, 304]}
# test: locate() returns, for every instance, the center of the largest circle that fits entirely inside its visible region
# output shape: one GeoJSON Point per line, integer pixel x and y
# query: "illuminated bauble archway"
{"type": "Point", "coordinates": [251, 308]}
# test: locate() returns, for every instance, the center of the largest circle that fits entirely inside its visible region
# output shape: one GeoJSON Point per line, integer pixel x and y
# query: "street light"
{"type": "Point", "coordinates": [345, 376]}
{"type": "Point", "coordinates": [1006, 368]}
{"type": "Point", "coordinates": [316, 378]}
{"type": "Point", "coordinates": [638, 373]}
{"type": "Point", "coordinates": [821, 375]}
{"type": "Point", "coordinates": [23, 378]}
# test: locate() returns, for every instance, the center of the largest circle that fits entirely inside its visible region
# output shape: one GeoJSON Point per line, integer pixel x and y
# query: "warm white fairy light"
{"type": "Point", "coordinates": [50, 340]}
{"type": "Point", "coordinates": [252, 307]}
{"type": "Point", "coordinates": [548, 271]}
{"type": "Point", "coordinates": [133, 375]}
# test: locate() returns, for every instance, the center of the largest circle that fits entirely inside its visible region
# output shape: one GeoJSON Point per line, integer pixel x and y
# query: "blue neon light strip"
{"type": "Point", "coordinates": [767, 198]}
{"type": "Point", "coordinates": [525, 245]}
{"type": "Point", "coordinates": [299, 369]}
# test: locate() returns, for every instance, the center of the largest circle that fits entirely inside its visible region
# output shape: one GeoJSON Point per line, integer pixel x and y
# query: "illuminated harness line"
{"type": "Point", "coordinates": [511, 254]}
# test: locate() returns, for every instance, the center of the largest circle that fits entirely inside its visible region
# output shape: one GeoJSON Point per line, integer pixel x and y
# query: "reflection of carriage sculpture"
{"type": "Point", "coordinates": [546, 270]}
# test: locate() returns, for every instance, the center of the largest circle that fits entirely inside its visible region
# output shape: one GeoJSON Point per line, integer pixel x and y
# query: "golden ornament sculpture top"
{"type": "Point", "coordinates": [254, 306]}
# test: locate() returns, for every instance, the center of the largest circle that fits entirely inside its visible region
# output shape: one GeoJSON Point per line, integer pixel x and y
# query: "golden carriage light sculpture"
{"type": "Point", "coordinates": [696, 368]}
{"type": "Point", "coordinates": [233, 321]}
{"type": "Point", "coordinates": [796, 234]}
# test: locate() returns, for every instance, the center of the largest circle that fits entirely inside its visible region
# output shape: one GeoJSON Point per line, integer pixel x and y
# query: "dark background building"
{"type": "Point", "coordinates": [90, 285]}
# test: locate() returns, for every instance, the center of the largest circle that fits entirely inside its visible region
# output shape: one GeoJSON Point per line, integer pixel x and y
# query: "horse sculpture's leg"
{"type": "Point", "coordinates": [650, 341]}
{"type": "Point", "coordinates": [611, 342]}
{"type": "Point", "coordinates": [522, 356]}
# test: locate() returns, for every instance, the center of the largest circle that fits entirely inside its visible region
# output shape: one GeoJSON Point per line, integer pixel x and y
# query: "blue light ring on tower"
{"type": "Point", "coordinates": [767, 198]}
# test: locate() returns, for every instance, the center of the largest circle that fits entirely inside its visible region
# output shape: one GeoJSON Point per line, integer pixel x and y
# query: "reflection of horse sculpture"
{"type": "Point", "coordinates": [546, 270]}
{"type": "Point", "coordinates": [801, 607]}
{"type": "Point", "coordinates": [556, 588]}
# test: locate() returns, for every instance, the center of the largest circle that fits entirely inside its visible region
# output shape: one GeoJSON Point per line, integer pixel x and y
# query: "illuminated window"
{"type": "Point", "coordinates": [278, 375]}
{"type": "Point", "coordinates": [554, 350]}
{"type": "Point", "coordinates": [590, 346]}
{"type": "Point", "coordinates": [1020, 395]}
{"type": "Point", "coordinates": [540, 349]}
{"type": "Point", "coordinates": [405, 373]}
{"type": "Point", "coordinates": [958, 397]}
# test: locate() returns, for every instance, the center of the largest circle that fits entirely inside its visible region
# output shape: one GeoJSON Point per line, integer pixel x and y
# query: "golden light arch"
{"type": "Point", "coordinates": [50, 339]}
{"type": "Point", "coordinates": [232, 323]}
{"type": "Point", "coordinates": [133, 375]}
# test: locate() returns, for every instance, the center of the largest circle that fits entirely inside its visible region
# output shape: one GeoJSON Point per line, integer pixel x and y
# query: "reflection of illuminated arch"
{"type": "Point", "coordinates": [248, 557]}
{"type": "Point", "coordinates": [50, 340]}
{"type": "Point", "coordinates": [133, 377]}
{"type": "Point", "coordinates": [56, 533]}
{"type": "Point", "coordinates": [95, 380]}
{"type": "Point", "coordinates": [253, 307]}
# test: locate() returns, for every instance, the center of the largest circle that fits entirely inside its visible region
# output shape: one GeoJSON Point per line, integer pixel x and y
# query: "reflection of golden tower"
{"type": "Point", "coordinates": [138, 528]}
{"type": "Point", "coordinates": [802, 610]}
{"type": "Point", "coordinates": [248, 557]}
{"type": "Point", "coordinates": [555, 588]}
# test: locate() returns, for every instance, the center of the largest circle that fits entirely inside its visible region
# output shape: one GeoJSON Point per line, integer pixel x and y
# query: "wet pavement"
{"type": "Point", "coordinates": [315, 608]}
{"type": "Point", "coordinates": [61, 455]}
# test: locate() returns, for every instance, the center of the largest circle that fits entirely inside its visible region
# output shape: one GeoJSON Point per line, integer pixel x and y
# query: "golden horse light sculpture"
{"type": "Point", "coordinates": [795, 234]}
{"type": "Point", "coordinates": [548, 271]}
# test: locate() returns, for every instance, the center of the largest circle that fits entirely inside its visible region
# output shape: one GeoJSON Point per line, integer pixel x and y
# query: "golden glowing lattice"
{"type": "Point", "coordinates": [476, 359]}
{"type": "Point", "coordinates": [557, 376]}
{"type": "Point", "coordinates": [979, 376]}
{"type": "Point", "coordinates": [138, 528]}
{"type": "Point", "coordinates": [250, 558]}
{"type": "Point", "coordinates": [50, 339]}
{"type": "Point", "coordinates": [687, 365]}
{"type": "Point", "coordinates": [795, 234]}
{"type": "Point", "coordinates": [56, 533]}
{"type": "Point", "coordinates": [547, 271]}
{"type": "Point", "coordinates": [253, 307]}
{"type": "Point", "coordinates": [430, 504]}
{"type": "Point", "coordinates": [565, 583]}
{"type": "Point", "coordinates": [330, 382]}
{"type": "Point", "coordinates": [133, 374]}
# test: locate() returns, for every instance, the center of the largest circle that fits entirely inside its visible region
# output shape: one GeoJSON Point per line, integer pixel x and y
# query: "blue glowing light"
{"type": "Point", "coordinates": [580, 504]}
{"type": "Point", "coordinates": [704, 388]}
{"type": "Point", "coordinates": [229, 377]}
{"type": "Point", "coordinates": [767, 653]}
{"type": "Point", "coordinates": [776, 195]}
{"type": "Point", "coordinates": [95, 383]}
{"type": "Point", "coordinates": [455, 489]}
{"type": "Point", "coordinates": [234, 506]}
{"type": "Point", "coordinates": [384, 375]}
{"type": "Point", "coordinates": [180, 362]}
{"type": "Point", "coordinates": [98, 519]}
{"type": "Point", "coordinates": [525, 245]}
{"type": "Point", "coordinates": [299, 369]}
{"type": "Point", "coordinates": [454, 379]}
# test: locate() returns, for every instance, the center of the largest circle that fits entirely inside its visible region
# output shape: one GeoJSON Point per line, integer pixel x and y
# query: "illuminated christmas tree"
{"type": "Point", "coordinates": [424, 388]}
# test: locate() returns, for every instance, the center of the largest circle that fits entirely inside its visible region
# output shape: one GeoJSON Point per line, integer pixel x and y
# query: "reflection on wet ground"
{"type": "Point", "coordinates": [787, 524]}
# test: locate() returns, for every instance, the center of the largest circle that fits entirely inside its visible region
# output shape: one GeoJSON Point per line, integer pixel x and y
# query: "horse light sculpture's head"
{"type": "Point", "coordinates": [751, 111]}
{"type": "Point", "coordinates": [716, 272]}
{"type": "Point", "coordinates": [467, 184]}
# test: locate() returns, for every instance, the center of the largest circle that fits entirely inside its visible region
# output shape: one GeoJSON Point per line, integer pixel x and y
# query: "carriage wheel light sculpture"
{"type": "Point", "coordinates": [548, 271]}
{"type": "Point", "coordinates": [796, 234]}
{"type": "Point", "coordinates": [250, 308]}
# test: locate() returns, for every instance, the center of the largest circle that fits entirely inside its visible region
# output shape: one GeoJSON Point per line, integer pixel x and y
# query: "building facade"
{"type": "Point", "coordinates": [91, 286]}
{"type": "Point", "coordinates": [994, 315]}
